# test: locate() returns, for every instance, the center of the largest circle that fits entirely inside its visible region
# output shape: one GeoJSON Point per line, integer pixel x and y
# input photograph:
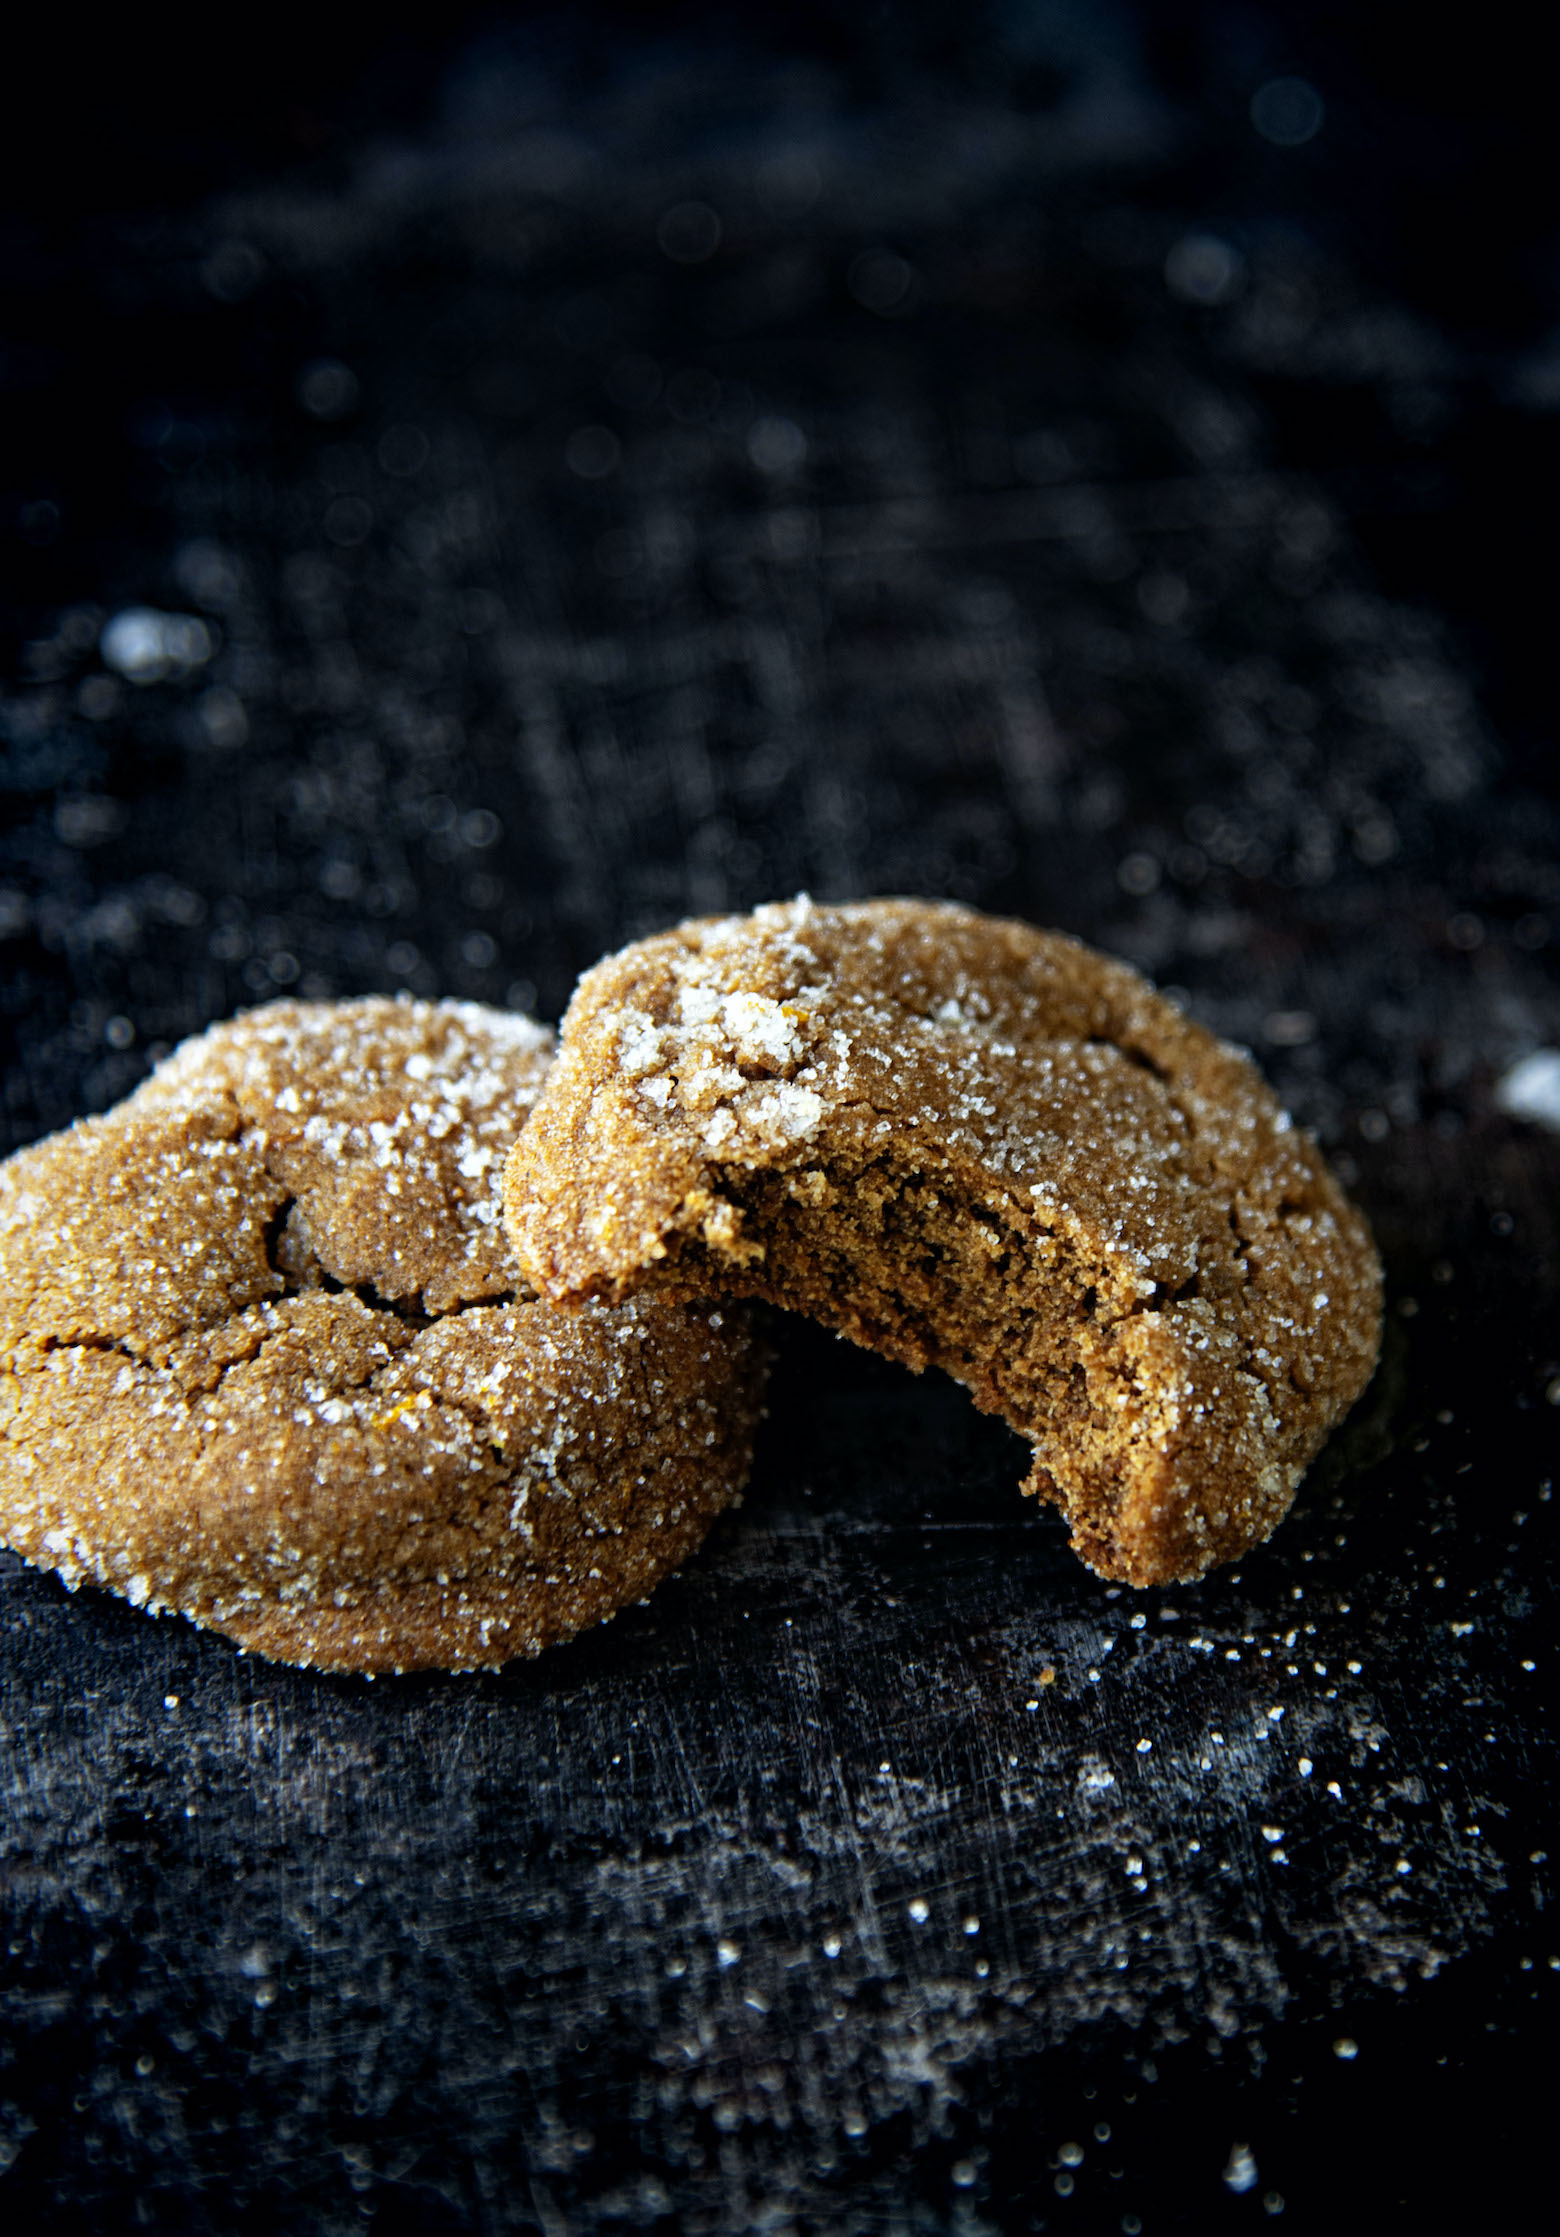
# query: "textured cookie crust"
{"type": "Point", "coordinates": [963, 1142]}
{"type": "Point", "coordinates": [265, 1357]}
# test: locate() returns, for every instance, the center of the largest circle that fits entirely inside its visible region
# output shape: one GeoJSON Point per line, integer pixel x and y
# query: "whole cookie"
{"type": "Point", "coordinates": [265, 1357]}
{"type": "Point", "coordinates": [964, 1142]}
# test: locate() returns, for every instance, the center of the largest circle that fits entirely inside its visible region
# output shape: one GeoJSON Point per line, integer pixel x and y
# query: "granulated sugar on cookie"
{"type": "Point", "coordinates": [966, 1143]}
{"type": "Point", "coordinates": [265, 1357]}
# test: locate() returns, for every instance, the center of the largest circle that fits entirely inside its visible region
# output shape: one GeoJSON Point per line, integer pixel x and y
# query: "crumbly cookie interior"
{"type": "Point", "coordinates": [906, 1263]}
{"type": "Point", "coordinates": [969, 1144]}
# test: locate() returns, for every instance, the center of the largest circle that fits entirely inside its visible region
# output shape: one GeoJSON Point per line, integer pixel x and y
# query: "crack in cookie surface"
{"type": "Point", "coordinates": [265, 1356]}
{"type": "Point", "coordinates": [967, 1143]}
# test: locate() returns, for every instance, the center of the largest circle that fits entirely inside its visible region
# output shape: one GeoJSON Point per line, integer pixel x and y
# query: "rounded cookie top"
{"type": "Point", "coordinates": [388, 1121]}
{"type": "Point", "coordinates": [265, 1356]}
{"type": "Point", "coordinates": [964, 1141]}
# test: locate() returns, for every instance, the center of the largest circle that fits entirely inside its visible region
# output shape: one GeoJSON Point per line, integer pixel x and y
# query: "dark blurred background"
{"type": "Point", "coordinates": [471, 495]}
{"type": "Point", "coordinates": [567, 433]}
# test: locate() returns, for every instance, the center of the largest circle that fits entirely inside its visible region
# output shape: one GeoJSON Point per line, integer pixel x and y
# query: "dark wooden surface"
{"type": "Point", "coordinates": [886, 1856]}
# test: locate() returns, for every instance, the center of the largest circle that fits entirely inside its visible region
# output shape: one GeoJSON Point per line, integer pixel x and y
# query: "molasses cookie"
{"type": "Point", "coordinates": [966, 1143]}
{"type": "Point", "coordinates": [265, 1357]}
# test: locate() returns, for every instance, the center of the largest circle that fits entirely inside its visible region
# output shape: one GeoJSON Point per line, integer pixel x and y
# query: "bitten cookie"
{"type": "Point", "coordinates": [966, 1143]}
{"type": "Point", "coordinates": [265, 1357]}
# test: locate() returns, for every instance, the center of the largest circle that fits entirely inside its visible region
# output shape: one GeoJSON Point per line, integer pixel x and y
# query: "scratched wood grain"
{"type": "Point", "coordinates": [805, 1896]}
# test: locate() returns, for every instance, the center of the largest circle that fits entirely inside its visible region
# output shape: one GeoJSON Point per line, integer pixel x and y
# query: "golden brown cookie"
{"type": "Point", "coordinates": [966, 1143]}
{"type": "Point", "coordinates": [265, 1357]}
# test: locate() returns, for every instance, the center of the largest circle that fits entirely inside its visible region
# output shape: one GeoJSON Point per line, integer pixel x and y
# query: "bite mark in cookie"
{"type": "Point", "coordinates": [265, 1357]}
{"type": "Point", "coordinates": [966, 1143]}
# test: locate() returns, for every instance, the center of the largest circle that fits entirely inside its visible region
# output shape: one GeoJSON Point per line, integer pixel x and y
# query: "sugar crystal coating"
{"type": "Point", "coordinates": [265, 1357]}
{"type": "Point", "coordinates": [965, 1142]}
